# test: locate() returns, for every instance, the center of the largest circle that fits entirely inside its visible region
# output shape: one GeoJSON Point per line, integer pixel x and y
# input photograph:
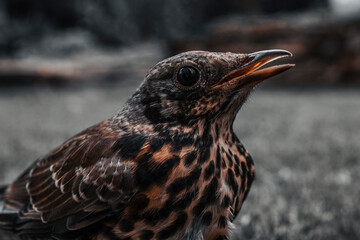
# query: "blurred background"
{"type": "Point", "coordinates": [65, 65]}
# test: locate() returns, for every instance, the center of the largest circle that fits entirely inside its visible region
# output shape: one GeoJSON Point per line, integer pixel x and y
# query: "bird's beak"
{"type": "Point", "coordinates": [249, 72]}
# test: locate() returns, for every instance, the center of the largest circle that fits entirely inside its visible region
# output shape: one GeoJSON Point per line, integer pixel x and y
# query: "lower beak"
{"type": "Point", "coordinates": [250, 74]}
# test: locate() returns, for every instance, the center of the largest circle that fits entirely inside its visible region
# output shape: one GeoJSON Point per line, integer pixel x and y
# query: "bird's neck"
{"type": "Point", "coordinates": [132, 119]}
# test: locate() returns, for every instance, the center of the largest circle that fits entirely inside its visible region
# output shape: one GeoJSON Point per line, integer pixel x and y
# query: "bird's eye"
{"type": "Point", "coordinates": [188, 76]}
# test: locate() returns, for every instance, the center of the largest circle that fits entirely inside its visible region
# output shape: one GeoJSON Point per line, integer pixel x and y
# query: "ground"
{"type": "Point", "coordinates": [305, 144]}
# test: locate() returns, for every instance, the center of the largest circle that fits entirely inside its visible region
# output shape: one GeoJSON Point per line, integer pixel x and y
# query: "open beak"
{"type": "Point", "coordinates": [250, 74]}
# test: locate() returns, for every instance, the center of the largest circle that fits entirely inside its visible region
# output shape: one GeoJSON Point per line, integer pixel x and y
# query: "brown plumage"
{"type": "Point", "coordinates": [167, 166]}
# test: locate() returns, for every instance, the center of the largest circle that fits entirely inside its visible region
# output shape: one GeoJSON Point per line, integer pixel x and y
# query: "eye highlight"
{"type": "Point", "coordinates": [188, 76]}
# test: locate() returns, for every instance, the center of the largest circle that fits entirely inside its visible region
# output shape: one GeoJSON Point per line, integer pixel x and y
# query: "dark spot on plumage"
{"type": "Point", "coordinates": [232, 182]}
{"type": "Point", "coordinates": [152, 113]}
{"type": "Point", "coordinates": [242, 185]}
{"type": "Point", "coordinates": [143, 177]}
{"type": "Point", "coordinates": [173, 227]}
{"type": "Point", "coordinates": [249, 160]}
{"type": "Point", "coordinates": [108, 233]}
{"type": "Point", "coordinates": [157, 174]}
{"type": "Point", "coordinates": [161, 172]}
{"type": "Point", "coordinates": [183, 139]}
{"type": "Point", "coordinates": [223, 163]}
{"type": "Point", "coordinates": [151, 216]}
{"type": "Point", "coordinates": [152, 106]}
{"type": "Point", "coordinates": [189, 158]}
{"type": "Point", "coordinates": [194, 175]}
{"type": "Point", "coordinates": [225, 202]}
{"type": "Point", "coordinates": [203, 144]}
{"type": "Point", "coordinates": [130, 145]}
{"type": "Point", "coordinates": [180, 184]}
{"type": "Point", "coordinates": [243, 168]}
{"type": "Point", "coordinates": [126, 225]}
{"type": "Point", "coordinates": [221, 237]}
{"type": "Point", "coordinates": [139, 202]}
{"type": "Point", "coordinates": [166, 134]}
{"type": "Point", "coordinates": [199, 208]}
{"type": "Point", "coordinates": [177, 186]}
{"type": "Point", "coordinates": [237, 203]}
{"type": "Point", "coordinates": [222, 223]}
{"type": "Point", "coordinates": [217, 132]}
{"type": "Point", "coordinates": [204, 155]}
{"type": "Point", "coordinates": [217, 172]}
{"type": "Point", "coordinates": [144, 158]}
{"type": "Point", "coordinates": [206, 218]}
{"type": "Point", "coordinates": [146, 234]}
{"type": "Point", "coordinates": [237, 170]}
{"type": "Point", "coordinates": [241, 149]}
{"type": "Point", "coordinates": [206, 133]}
{"type": "Point", "coordinates": [218, 159]}
{"type": "Point", "coordinates": [234, 138]}
{"type": "Point", "coordinates": [209, 171]}
{"type": "Point", "coordinates": [167, 208]}
{"type": "Point", "coordinates": [127, 181]}
{"type": "Point", "coordinates": [157, 143]}
{"type": "Point", "coordinates": [229, 158]}
{"type": "Point", "coordinates": [185, 201]}
{"type": "Point", "coordinates": [237, 160]}
{"type": "Point", "coordinates": [177, 119]}
{"type": "Point", "coordinates": [197, 142]}
{"type": "Point", "coordinates": [158, 128]}
{"type": "Point", "coordinates": [209, 194]}
{"type": "Point", "coordinates": [175, 148]}
{"type": "Point", "coordinates": [208, 141]}
{"type": "Point", "coordinates": [230, 152]}
{"type": "Point", "coordinates": [149, 98]}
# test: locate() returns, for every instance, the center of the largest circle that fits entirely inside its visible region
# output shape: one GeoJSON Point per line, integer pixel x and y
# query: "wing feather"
{"type": "Point", "coordinates": [79, 181]}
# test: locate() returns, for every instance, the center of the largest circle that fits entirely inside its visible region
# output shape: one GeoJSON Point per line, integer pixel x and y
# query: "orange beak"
{"type": "Point", "coordinates": [250, 74]}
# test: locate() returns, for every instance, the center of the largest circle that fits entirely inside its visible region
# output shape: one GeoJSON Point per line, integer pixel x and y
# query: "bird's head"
{"type": "Point", "coordinates": [203, 86]}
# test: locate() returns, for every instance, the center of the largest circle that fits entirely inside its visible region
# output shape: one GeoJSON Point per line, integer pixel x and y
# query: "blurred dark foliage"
{"type": "Point", "coordinates": [324, 52]}
{"type": "Point", "coordinates": [122, 22]}
{"type": "Point", "coordinates": [325, 44]}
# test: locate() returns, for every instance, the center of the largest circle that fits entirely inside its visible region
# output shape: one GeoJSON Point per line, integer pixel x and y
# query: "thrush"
{"type": "Point", "coordinates": [167, 166]}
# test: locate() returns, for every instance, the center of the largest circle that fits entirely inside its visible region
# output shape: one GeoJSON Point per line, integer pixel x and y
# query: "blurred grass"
{"type": "Point", "coordinates": [305, 145]}
{"type": "Point", "coordinates": [306, 149]}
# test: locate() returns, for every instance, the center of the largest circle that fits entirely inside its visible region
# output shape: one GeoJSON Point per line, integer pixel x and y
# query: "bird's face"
{"type": "Point", "coordinates": [204, 86]}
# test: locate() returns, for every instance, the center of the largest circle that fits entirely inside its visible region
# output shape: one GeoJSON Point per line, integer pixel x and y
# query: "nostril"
{"type": "Point", "coordinates": [249, 59]}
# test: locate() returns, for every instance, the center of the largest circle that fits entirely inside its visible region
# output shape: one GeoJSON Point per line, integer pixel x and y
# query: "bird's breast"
{"type": "Point", "coordinates": [194, 187]}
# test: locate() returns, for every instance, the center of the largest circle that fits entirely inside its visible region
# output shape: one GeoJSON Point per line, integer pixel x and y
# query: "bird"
{"type": "Point", "coordinates": [168, 165]}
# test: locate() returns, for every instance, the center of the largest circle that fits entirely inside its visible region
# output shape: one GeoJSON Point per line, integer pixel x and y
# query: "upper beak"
{"type": "Point", "coordinates": [248, 73]}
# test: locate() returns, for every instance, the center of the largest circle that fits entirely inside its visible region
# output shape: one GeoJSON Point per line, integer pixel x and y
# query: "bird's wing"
{"type": "Point", "coordinates": [82, 180]}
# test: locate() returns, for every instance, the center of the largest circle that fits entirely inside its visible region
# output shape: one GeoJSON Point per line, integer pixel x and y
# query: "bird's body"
{"type": "Point", "coordinates": [167, 166]}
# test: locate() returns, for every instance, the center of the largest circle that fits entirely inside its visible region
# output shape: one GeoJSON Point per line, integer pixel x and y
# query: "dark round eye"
{"type": "Point", "coordinates": [188, 76]}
